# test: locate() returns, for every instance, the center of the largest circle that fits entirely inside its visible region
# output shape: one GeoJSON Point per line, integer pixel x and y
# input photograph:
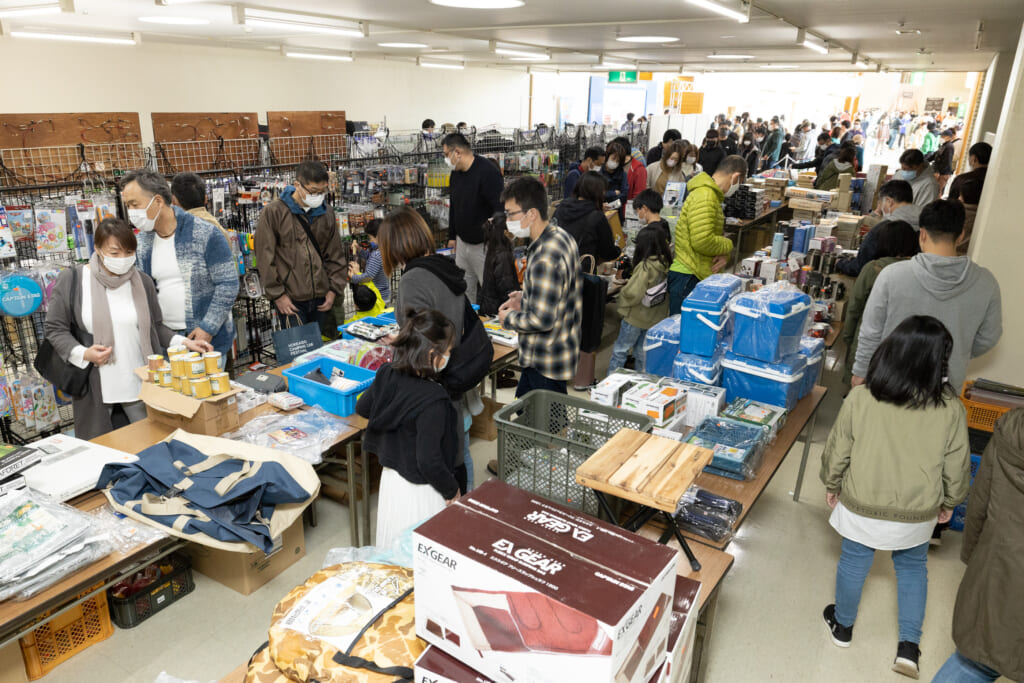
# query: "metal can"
{"type": "Point", "coordinates": [175, 383]}
{"type": "Point", "coordinates": [201, 387]}
{"type": "Point", "coordinates": [220, 382]}
{"type": "Point", "coordinates": [178, 365]}
{"type": "Point", "coordinates": [195, 368]}
{"type": "Point", "coordinates": [175, 350]}
{"type": "Point", "coordinates": [166, 378]}
{"type": "Point", "coordinates": [154, 376]}
{"type": "Point", "coordinates": [155, 361]}
{"type": "Point", "coordinates": [212, 361]}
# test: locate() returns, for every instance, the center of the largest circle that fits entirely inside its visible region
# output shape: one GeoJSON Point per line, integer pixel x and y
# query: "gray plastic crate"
{"type": "Point", "coordinates": [545, 436]}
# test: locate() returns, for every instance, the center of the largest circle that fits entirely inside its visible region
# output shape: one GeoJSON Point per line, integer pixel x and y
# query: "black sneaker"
{"type": "Point", "coordinates": [492, 467]}
{"type": "Point", "coordinates": [841, 635]}
{"type": "Point", "coordinates": [936, 539]}
{"type": "Point", "coordinates": [907, 654]}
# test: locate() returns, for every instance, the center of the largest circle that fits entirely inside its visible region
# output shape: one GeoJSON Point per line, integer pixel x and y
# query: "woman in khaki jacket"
{"type": "Point", "coordinates": [897, 460]}
{"type": "Point", "coordinates": [988, 622]}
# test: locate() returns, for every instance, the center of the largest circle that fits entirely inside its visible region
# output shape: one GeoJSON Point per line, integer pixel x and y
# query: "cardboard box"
{"type": "Point", "coordinates": [751, 266]}
{"type": "Point", "coordinates": [245, 572]}
{"type": "Point", "coordinates": [702, 400]}
{"type": "Point", "coordinates": [611, 389]}
{"type": "Point", "coordinates": [437, 666]}
{"type": "Point", "coordinates": [677, 429]}
{"type": "Point", "coordinates": [211, 417]}
{"type": "Point", "coordinates": [484, 426]}
{"type": "Point", "coordinates": [798, 204]}
{"type": "Point", "coordinates": [660, 403]}
{"type": "Point", "coordinates": [522, 589]}
{"type": "Point", "coordinates": [12, 665]}
{"type": "Point", "coordinates": [769, 270]}
{"type": "Point", "coordinates": [682, 631]}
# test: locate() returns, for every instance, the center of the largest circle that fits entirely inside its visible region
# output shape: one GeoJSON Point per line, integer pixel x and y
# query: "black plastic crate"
{"type": "Point", "coordinates": [129, 612]}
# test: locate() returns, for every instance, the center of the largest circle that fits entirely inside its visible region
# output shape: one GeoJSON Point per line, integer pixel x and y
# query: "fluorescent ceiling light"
{"type": "Point", "coordinates": [410, 46]}
{"type": "Point", "coordinates": [305, 23]}
{"type": "Point", "coordinates": [75, 37]}
{"type": "Point", "coordinates": [479, 4]}
{"type": "Point", "coordinates": [167, 3]}
{"type": "Point", "coordinates": [175, 21]}
{"type": "Point", "coordinates": [519, 53]}
{"type": "Point", "coordinates": [778, 66]}
{"type": "Point", "coordinates": [730, 56]}
{"type": "Point", "coordinates": [740, 16]}
{"type": "Point", "coordinates": [440, 65]}
{"type": "Point", "coordinates": [535, 58]}
{"type": "Point", "coordinates": [822, 49]}
{"type": "Point", "coordinates": [646, 39]}
{"type": "Point", "coordinates": [30, 10]}
{"type": "Point", "coordinates": [318, 55]}
{"type": "Point", "coordinates": [908, 31]}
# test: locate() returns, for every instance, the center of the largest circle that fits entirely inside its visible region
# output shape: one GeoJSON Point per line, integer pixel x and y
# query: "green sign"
{"type": "Point", "coordinates": [622, 76]}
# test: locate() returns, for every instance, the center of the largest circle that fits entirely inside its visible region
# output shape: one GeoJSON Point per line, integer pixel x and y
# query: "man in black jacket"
{"type": "Point", "coordinates": [727, 140]}
{"type": "Point", "coordinates": [476, 186]}
{"type": "Point", "coordinates": [825, 149]}
{"type": "Point", "coordinates": [654, 154]}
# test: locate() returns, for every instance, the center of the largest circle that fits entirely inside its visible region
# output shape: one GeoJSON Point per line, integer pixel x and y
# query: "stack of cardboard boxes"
{"type": "Point", "coordinates": [807, 203]}
{"type": "Point", "coordinates": [512, 587]}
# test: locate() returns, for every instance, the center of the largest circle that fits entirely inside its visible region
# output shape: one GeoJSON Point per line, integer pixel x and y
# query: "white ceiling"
{"type": "Point", "coordinates": [576, 32]}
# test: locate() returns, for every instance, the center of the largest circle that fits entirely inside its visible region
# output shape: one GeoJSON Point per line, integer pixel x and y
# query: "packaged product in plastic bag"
{"type": "Point", "coordinates": [737, 447]}
{"type": "Point", "coordinates": [305, 435]}
{"type": "Point", "coordinates": [707, 514]}
{"type": "Point", "coordinates": [769, 322]}
{"type": "Point", "coordinates": [755, 412]}
{"type": "Point", "coordinates": [32, 528]}
{"type": "Point", "coordinates": [398, 553]}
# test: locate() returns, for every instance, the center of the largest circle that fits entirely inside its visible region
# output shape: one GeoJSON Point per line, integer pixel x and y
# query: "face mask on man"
{"type": "Point", "coordinates": [140, 217]}
{"type": "Point", "coordinates": [611, 164]}
{"type": "Point", "coordinates": [118, 265]}
{"type": "Point", "coordinates": [313, 201]}
{"type": "Point", "coordinates": [517, 229]}
{"type": "Point", "coordinates": [904, 174]}
{"type": "Point", "coordinates": [732, 190]}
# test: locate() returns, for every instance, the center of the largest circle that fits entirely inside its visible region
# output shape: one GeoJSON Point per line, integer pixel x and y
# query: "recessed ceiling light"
{"type": "Point", "coordinates": [479, 4]}
{"type": "Point", "coordinates": [730, 56]}
{"type": "Point", "coordinates": [410, 46]}
{"type": "Point", "coordinates": [175, 21]}
{"type": "Point", "coordinates": [646, 39]}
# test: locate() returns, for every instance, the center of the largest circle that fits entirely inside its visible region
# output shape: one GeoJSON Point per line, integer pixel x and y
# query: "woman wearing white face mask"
{"type": "Point", "coordinates": [670, 169]}
{"type": "Point", "coordinates": [105, 316]}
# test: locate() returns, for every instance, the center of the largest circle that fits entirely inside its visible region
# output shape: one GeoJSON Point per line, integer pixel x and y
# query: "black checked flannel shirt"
{"type": "Point", "coordinates": [550, 318]}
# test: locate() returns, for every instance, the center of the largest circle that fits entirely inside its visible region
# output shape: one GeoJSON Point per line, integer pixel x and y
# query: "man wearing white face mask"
{"type": "Point", "coordinates": [475, 196]}
{"type": "Point", "coordinates": [921, 176]}
{"type": "Point", "coordinates": [190, 260]}
{"type": "Point", "coordinates": [700, 246]}
{"type": "Point", "coordinates": [301, 259]}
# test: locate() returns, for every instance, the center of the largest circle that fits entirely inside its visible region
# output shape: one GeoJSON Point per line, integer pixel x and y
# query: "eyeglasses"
{"type": "Point", "coordinates": [310, 190]}
{"type": "Point", "coordinates": [509, 214]}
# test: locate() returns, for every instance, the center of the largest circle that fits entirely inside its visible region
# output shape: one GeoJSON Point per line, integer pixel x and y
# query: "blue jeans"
{"type": "Point", "coordinates": [307, 312]}
{"type": "Point", "coordinates": [911, 585]}
{"type": "Point", "coordinates": [679, 287]}
{"type": "Point", "coordinates": [530, 379]}
{"type": "Point", "coordinates": [630, 337]}
{"type": "Point", "coordinates": [959, 669]}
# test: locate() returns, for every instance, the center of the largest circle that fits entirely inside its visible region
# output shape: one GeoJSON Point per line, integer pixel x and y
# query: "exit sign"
{"type": "Point", "coordinates": [622, 76]}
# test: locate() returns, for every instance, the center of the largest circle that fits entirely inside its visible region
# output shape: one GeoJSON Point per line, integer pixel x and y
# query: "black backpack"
{"type": "Point", "coordinates": [471, 360]}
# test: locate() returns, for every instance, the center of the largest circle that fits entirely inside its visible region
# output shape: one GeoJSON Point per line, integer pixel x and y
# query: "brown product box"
{"type": "Point", "coordinates": [484, 426]}
{"type": "Point", "coordinates": [798, 204]}
{"type": "Point", "coordinates": [839, 311]}
{"type": "Point", "coordinates": [801, 215]}
{"type": "Point", "coordinates": [521, 589]}
{"type": "Point", "coordinates": [845, 179]}
{"type": "Point", "coordinates": [437, 666]}
{"type": "Point", "coordinates": [842, 201]}
{"type": "Point", "coordinates": [12, 665]}
{"type": "Point", "coordinates": [210, 417]}
{"type": "Point", "coordinates": [245, 572]}
{"type": "Point", "coordinates": [682, 631]}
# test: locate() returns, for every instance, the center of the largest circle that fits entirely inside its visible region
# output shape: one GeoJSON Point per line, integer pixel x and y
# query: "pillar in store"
{"type": "Point", "coordinates": [996, 79]}
{"type": "Point", "coordinates": [996, 242]}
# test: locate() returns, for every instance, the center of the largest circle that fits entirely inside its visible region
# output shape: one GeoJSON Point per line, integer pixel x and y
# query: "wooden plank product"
{"type": "Point", "coordinates": [649, 470]}
{"type": "Point", "coordinates": [299, 135]}
{"type": "Point", "coordinates": [197, 126]}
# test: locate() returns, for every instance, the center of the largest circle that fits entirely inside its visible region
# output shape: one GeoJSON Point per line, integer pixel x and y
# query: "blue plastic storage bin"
{"type": "Point", "coordinates": [768, 323]}
{"type": "Point", "coordinates": [661, 346]}
{"type": "Point", "coordinates": [341, 403]}
{"type": "Point", "coordinates": [705, 314]}
{"type": "Point", "coordinates": [389, 316]}
{"type": "Point", "coordinates": [381, 320]}
{"type": "Point", "coordinates": [813, 349]}
{"type": "Point", "coordinates": [700, 369]}
{"type": "Point", "coordinates": [778, 384]}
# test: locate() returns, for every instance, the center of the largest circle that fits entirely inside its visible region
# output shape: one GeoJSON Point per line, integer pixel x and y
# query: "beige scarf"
{"type": "Point", "coordinates": [102, 326]}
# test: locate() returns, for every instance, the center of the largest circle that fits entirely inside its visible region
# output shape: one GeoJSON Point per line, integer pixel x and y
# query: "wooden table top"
{"type": "Point", "coordinates": [833, 335]}
{"type": "Point", "coordinates": [747, 492]}
{"type": "Point", "coordinates": [649, 470]}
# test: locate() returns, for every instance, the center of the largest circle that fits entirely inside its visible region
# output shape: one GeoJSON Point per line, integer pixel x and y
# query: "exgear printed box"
{"type": "Point", "coordinates": [521, 589]}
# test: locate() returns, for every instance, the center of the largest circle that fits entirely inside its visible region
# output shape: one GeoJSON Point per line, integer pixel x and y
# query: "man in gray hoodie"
{"type": "Point", "coordinates": [921, 176]}
{"type": "Point", "coordinates": [937, 282]}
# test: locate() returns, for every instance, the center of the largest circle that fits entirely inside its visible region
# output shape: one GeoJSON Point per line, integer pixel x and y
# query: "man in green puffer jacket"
{"type": "Point", "coordinates": [701, 248]}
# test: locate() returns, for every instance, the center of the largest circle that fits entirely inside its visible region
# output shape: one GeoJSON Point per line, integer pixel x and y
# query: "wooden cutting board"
{"type": "Point", "coordinates": [649, 470]}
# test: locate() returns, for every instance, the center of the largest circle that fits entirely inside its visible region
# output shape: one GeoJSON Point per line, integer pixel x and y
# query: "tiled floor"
{"type": "Point", "coordinates": [768, 625]}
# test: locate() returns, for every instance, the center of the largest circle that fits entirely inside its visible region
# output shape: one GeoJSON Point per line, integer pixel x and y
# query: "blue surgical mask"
{"type": "Point", "coordinates": [903, 174]}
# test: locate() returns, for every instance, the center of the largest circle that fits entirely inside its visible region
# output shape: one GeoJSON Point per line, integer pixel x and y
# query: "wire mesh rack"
{"type": "Point", "coordinates": [207, 155]}
{"type": "Point", "coordinates": [35, 166]}
{"type": "Point", "coordinates": [292, 150]}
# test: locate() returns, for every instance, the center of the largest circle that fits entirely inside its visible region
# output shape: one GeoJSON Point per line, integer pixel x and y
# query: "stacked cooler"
{"type": "Point", "coordinates": [704, 330]}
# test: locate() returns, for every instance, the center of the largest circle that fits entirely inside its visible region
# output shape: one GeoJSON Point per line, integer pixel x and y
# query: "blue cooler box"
{"type": "Point", "coordinates": [768, 323]}
{"type": "Point", "coordinates": [699, 369]}
{"type": "Point", "coordinates": [705, 312]}
{"type": "Point", "coordinates": [813, 349]}
{"type": "Point", "coordinates": [661, 346]}
{"type": "Point", "coordinates": [778, 384]}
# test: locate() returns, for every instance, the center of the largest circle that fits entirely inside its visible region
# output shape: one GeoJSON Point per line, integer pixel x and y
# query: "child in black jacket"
{"type": "Point", "coordinates": [500, 276]}
{"type": "Point", "coordinates": [413, 426]}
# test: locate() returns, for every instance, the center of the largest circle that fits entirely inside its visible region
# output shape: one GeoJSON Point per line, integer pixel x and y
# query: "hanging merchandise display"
{"type": "Point", "coordinates": [20, 295]}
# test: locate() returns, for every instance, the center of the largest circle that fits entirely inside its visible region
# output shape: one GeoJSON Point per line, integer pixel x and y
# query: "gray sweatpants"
{"type": "Point", "coordinates": [470, 257]}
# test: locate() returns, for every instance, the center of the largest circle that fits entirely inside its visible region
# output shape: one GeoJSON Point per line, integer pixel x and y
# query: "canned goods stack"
{"type": "Point", "coordinates": [189, 373]}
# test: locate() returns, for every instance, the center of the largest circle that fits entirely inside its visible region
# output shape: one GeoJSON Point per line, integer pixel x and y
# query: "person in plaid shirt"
{"type": "Point", "coordinates": [547, 314]}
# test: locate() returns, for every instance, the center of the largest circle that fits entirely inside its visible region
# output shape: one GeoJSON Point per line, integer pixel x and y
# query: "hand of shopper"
{"type": "Point", "coordinates": [353, 268]}
{"type": "Point", "coordinates": [98, 355]}
{"type": "Point", "coordinates": [452, 500]}
{"type": "Point", "coordinates": [198, 345]}
{"type": "Point", "coordinates": [285, 306]}
{"type": "Point", "coordinates": [451, 244]}
{"type": "Point", "coordinates": [199, 334]}
{"type": "Point", "coordinates": [945, 515]}
{"type": "Point", "coordinates": [719, 262]}
{"type": "Point", "coordinates": [832, 499]}
{"type": "Point", "coordinates": [856, 381]}
{"type": "Point", "coordinates": [328, 303]}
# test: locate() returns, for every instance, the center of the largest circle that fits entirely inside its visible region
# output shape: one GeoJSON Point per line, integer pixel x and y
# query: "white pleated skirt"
{"type": "Point", "coordinates": [402, 504]}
